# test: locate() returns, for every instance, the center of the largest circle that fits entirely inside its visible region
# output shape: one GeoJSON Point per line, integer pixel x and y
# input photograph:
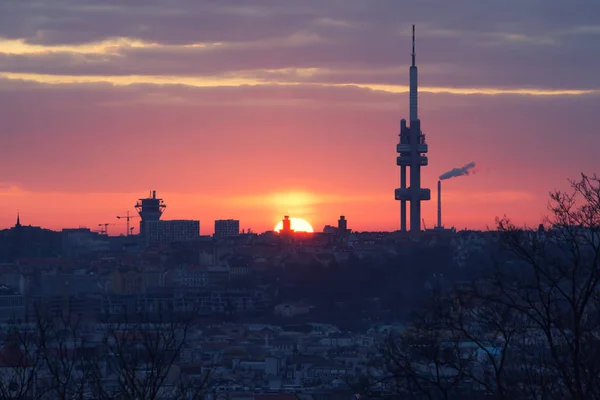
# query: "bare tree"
{"type": "Point", "coordinates": [20, 362]}
{"type": "Point", "coordinates": [532, 323]}
{"type": "Point", "coordinates": [557, 292]}
{"type": "Point", "coordinates": [56, 356]}
{"type": "Point", "coordinates": [426, 361]}
{"type": "Point", "coordinates": [68, 358]}
{"type": "Point", "coordinates": [143, 354]}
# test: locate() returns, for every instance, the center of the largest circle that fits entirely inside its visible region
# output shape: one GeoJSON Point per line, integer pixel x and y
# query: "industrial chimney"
{"type": "Point", "coordinates": [439, 204]}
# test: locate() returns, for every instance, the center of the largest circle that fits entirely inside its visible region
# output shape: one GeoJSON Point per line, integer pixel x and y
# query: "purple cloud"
{"type": "Point", "coordinates": [460, 43]}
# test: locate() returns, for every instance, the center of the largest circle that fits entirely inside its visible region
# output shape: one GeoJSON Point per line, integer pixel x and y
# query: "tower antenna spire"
{"type": "Point", "coordinates": [413, 47]}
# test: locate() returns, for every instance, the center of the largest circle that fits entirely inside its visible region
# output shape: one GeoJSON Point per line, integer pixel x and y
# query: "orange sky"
{"type": "Point", "coordinates": [296, 113]}
{"type": "Point", "coordinates": [85, 164]}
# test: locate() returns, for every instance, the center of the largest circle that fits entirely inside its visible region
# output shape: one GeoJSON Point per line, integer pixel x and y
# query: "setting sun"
{"type": "Point", "coordinates": [298, 225]}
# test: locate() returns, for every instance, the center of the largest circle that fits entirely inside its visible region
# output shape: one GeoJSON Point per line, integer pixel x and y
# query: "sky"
{"type": "Point", "coordinates": [258, 109]}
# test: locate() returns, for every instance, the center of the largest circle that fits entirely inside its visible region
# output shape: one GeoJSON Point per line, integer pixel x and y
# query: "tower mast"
{"type": "Point", "coordinates": [414, 82]}
{"type": "Point", "coordinates": [413, 49]}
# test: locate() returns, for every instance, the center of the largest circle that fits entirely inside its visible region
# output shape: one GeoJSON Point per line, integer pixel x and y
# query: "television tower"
{"type": "Point", "coordinates": [412, 149]}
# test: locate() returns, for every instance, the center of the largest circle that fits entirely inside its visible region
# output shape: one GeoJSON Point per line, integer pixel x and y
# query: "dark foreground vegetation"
{"type": "Point", "coordinates": [528, 328]}
{"type": "Point", "coordinates": [58, 357]}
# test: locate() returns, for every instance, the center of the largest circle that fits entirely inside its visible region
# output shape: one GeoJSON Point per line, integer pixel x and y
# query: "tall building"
{"type": "Point", "coordinates": [412, 151]}
{"type": "Point", "coordinates": [227, 227]}
{"type": "Point", "coordinates": [150, 209]}
{"type": "Point", "coordinates": [342, 224]}
{"type": "Point", "coordinates": [172, 231]}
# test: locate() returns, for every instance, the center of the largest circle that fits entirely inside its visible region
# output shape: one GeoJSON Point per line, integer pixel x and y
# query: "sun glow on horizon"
{"type": "Point", "coordinates": [298, 225]}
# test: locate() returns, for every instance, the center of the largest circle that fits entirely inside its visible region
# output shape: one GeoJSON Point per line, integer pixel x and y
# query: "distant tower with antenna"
{"type": "Point", "coordinates": [412, 151]}
{"type": "Point", "coordinates": [149, 209]}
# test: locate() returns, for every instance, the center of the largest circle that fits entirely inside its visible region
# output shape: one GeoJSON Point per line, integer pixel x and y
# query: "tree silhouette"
{"type": "Point", "coordinates": [530, 327]}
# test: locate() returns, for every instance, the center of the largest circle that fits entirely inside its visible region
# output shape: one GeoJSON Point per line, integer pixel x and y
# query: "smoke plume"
{"type": "Point", "coordinates": [454, 172]}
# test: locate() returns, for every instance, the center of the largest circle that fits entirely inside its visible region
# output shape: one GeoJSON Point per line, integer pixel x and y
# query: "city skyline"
{"type": "Point", "coordinates": [258, 111]}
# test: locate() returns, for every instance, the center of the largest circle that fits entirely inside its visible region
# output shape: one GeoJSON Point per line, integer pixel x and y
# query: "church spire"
{"type": "Point", "coordinates": [18, 225]}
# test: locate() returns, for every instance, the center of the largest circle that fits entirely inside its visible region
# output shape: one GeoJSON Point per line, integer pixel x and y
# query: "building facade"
{"type": "Point", "coordinates": [227, 227]}
{"type": "Point", "coordinates": [172, 231]}
{"type": "Point", "coordinates": [12, 305]}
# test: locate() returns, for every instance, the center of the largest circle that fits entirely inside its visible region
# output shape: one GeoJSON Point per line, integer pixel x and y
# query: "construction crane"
{"type": "Point", "coordinates": [128, 218]}
{"type": "Point", "coordinates": [105, 230]}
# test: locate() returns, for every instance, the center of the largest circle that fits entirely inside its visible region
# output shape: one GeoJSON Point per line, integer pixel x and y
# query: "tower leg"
{"type": "Point", "coordinates": [415, 215]}
{"type": "Point", "coordinates": [403, 202]}
{"type": "Point", "coordinates": [415, 203]}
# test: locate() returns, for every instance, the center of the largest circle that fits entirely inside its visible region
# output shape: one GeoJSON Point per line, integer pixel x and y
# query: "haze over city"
{"type": "Point", "coordinates": [269, 108]}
